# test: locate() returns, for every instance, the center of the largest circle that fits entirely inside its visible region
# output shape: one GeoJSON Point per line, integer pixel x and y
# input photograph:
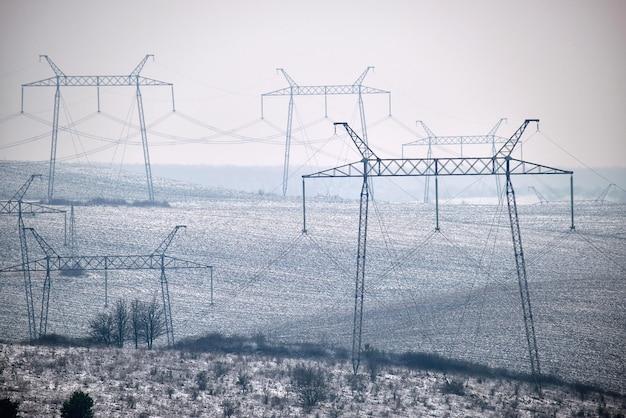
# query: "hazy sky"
{"type": "Point", "coordinates": [459, 65]}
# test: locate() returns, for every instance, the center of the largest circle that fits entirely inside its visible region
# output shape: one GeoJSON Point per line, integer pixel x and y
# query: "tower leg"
{"type": "Point", "coordinates": [520, 264]}
{"type": "Point", "coordinates": [571, 200]}
{"type": "Point", "coordinates": [45, 301]}
{"type": "Point", "coordinates": [362, 117]}
{"type": "Point", "coordinates": [144, 143]}
{"type": "Point", "coordinates": [429, 154]}
{"type": "Point", "coordinates": [211, 286]}
{"type": "Point", "coordinates": [436, 203]}
{"type": "Point", "coordinates": [98, 92]}
{"type": "Point", "coordinates": [167, 307]}
{"type": "Point", "coordinates": [364, 132]}
{"type": "Point", "coordinates": [494, 150]}
{"type": "Point", "coordinates": [303, 207]}
{"type": "Point", "coordinates": [359, 289]}
{"type": "Point", "coordinates": [287, 146]}
{"type": "Point", "coordinates": [53, 147]}
{"type": "Point", "coordinates": [173, 102]}
{"type": "Point", "coordinates": [28, 289]}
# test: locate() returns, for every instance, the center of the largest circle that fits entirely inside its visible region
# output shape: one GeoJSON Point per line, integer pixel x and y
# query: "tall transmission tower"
{"type": "Point", "coordinates": [431, 139]}
{"type": "Point", "coordinates": [134, 79]}
{"type": "Point", "coordinates": [499, 164]}
{"type": "Point", "coordinates": [17, 206]}
{"type": "Point", "coordinates": [540, 196]}
{"type": "Point", "coordinates": [51, 262]}
{"type": "Point", "coordinates": [605, 192]}
{"type": "Point", "coordinates": [357, 88]}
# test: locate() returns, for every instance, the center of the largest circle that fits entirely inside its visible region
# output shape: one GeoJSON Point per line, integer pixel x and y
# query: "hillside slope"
{"type": "Point", "coordinates": [127, 382]}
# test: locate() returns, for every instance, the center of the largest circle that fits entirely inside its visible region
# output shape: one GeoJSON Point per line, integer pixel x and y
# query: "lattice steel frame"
{"type": "Point", "coordinates": [134, 79]}
{"type": "Point", "coordinates": [69, 264]}
{"type": "Point", "coordinates": [357, 88]}
{"type": "Point", "coordinates": [500, 163]}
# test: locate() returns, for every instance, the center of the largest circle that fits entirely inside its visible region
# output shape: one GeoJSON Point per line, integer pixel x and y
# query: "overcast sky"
{"type": "Point", "coordinates": [459, 65]}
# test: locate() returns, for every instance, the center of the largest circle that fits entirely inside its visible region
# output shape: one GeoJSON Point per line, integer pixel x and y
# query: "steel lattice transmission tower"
{"type": "Point", "coordinates": [17, 206]}
{"type": "Point", "coordinates": [357, 88]}
{"type": "Point", "coordinates": [134, 79]}
{"type": "Point", "coordinates": [605, 192]}
{"type": "Point", "coordinates": [431, 139]}
{"type": "Point", "coordinates": [52, 261]}
{"type": "Point", "coordinates": [499, 164]}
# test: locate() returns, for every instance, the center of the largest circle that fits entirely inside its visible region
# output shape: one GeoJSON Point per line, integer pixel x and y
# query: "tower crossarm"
{"type": "Point", "coordinates": [509, 145]}
{"type": "Point", "coordinates": [333, 89]}
{"type": "Point", "coordinates": [495, 128]}
{"type": "Point", "coordinates": [108, 262]}
{"type": "Point", "coordinates": [164, 245]}
{"type": "Point", "coordinates": [139, 66]}
{"type": "Point", "coordinates": [420, 167]}
{"type": "Point", "coordinates": [19, 194]}
{"type": "Point", "coordinates": [290, 80]}
{"type": "Point", "coordinates": [365, 151]}
{"type": "Point", "coordinates": [97, 81]}
{"type": "Point", "coordinates": [43, 244]}
{"type": "Point", "coordinates": [359, 81]}
{"type": "Point", "coordinates": [11, 207]}
{"type": "Point", "coordinates": [459, 139]}
{"type": "Point", "coordinates": [55, 68]}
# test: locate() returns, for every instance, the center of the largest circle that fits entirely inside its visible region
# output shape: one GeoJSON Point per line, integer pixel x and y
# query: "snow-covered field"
{"type": "Point", "coordinates": [454, 293]}
{"type": "Point", "coordinates": [165, 383]}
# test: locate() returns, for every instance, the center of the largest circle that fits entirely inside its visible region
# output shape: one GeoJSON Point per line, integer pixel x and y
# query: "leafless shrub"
{"type": "Point", "coordinates": [453, 387]}
{"type": "Point", "coordinates": [153, 322]}
{"type": "Point", "coordinates": [243, 381]}
{"type": "Point", "coordinates": [229, 408]}
{"type": "Point", "coordinates": [136, 328]}
{"type": "Point", "coordinates": [220, 369]}
{"type": "Point", "coordinates": [121, 322]}
{"type": "Point", "coordinates": [202, 380]}
{"type": "Point", "coordinates": [101, 328]}
{"type": "Point", "coordinates": [311, 385]}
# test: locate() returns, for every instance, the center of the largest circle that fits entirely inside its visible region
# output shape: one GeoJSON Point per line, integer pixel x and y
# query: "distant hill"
{"type": "Point", "coordinates": [194, 182]}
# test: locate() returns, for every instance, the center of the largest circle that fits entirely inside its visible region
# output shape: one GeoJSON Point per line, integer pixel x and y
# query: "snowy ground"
{"type": "Point", "coordinates": [128, 382]}
{"type": "Point", "coordinates": [452, 293]}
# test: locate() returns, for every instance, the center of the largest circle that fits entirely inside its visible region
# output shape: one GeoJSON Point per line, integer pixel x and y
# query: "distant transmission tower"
{"type": "Point", "coordinates": [357, 88]}
{"type": "Point", "coordinates": [17, 206]}
{"type": "Point", "coordinates": [432, 139]}
{"type": "Point", "coordinates": [605, 192]}
{"type": "Point", "coordinates": [539, 195]}
{"type": "Point", "coordinates": [52, 261]}
{"type": "Point", "coordinates": [134, 79]}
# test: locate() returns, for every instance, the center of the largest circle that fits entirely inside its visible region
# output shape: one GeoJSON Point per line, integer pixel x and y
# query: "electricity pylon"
{"type": "Point", "coordinates": [51, 262]}
{"type": "Point", "coordinates": [540, 196]}
{"type": "Point", "coordinates": [357, 88]}
{"type": "Point", "coordinates": [17, 206]}
{"type": "Point", "coordinates": [432, 139]}
{"type": "Point", "coordinates": [500, 163]}
{"type": "Point", "coordinates": [134, 79]}
{"type": "Point", "coordinates": [602, 197]}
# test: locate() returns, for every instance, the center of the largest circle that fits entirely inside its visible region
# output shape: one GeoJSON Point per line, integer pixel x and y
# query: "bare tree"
{"type": "Point", "coordinates": [136, 325]}
{"type": "Point", "coordinates": [121, 319]}
{"type": "Point", "coordinates": [101, 328]}
{"type": "Point", "coordinates": [153, 321]}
